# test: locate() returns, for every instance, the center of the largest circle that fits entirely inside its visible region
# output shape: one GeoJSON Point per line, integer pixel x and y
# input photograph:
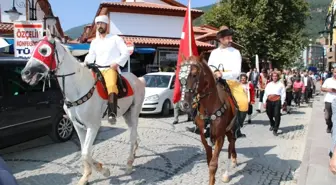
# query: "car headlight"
{"type": "Point", "coordinates": [153, 98]}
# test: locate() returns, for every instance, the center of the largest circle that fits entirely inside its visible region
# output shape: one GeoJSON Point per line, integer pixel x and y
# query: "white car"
{"type": "Point", "coordinates": [159, 93]}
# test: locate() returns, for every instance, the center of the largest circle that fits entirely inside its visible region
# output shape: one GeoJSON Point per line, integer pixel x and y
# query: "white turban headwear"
{"type": "Point", "coordinates": [102, 18]}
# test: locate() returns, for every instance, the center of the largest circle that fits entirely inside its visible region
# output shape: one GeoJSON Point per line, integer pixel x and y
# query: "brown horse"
{"type": "Point", "coordinates": [199, 87]}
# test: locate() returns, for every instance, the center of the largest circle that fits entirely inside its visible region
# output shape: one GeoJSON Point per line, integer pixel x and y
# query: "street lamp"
{"type": "Point", "coordinates": [13, 13]}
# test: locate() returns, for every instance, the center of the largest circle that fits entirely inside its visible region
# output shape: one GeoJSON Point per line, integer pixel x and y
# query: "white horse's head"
{"type": "Point", "coordinates": [44, 59]}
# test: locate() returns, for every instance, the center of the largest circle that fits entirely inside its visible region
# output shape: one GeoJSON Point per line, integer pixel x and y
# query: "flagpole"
{"type": "Point", "coordinates": [190, 28]}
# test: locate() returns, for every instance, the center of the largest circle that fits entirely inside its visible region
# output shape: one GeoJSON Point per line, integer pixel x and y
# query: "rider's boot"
{"type": "Point", "coordinates": [113, 105]}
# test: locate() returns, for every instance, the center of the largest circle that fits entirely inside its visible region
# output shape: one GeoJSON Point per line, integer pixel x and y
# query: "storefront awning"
{"type": "Point", "coordinates": [79, 49]}
{"type": "Point", "coordinates": [144, 50]}
{"type": "Point", "coordinates": [4, 43]}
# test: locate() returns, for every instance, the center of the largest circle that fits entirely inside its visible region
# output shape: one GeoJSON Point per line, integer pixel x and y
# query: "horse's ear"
{"type": "Point", "coordinates": [49, 36]}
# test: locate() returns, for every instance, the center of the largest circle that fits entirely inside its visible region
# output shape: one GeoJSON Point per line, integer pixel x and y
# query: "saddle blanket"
{"type": "Point", "coordinates": [122, 94]}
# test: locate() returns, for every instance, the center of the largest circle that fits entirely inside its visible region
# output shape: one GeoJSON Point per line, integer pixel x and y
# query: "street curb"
{"type": "Point", "coordinates": [306, 155]}
{"type": "Point", "coordinates": [315, 161]}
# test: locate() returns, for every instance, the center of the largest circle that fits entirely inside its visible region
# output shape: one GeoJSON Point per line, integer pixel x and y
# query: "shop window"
{"type": "Point", "coordinates": [168, 59]}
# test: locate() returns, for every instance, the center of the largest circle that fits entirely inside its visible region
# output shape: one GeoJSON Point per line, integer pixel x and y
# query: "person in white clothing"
{"type": "Point", "coordinates": [274, 99]}
{"type": "Point", "coordinates": [329, 86]}
{"type": "Point", "coordinates": [110, 51]}
{"type": "Point", "coordinates": [226, 62]}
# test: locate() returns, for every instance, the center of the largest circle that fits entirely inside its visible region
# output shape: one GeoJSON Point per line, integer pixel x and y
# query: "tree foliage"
{"type": "Point", "coordinates": [272, 29]}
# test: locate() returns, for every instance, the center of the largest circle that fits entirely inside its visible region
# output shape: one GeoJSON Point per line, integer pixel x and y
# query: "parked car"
{"type": "Point", "coordinates": [26, 112]}
{"type": "Point", "coordinates": [159, 93]}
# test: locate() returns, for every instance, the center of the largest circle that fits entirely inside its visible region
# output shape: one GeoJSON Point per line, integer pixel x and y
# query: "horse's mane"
{"type": "Point", "coordinates": [71, 57]}
{"type": "Point", "coordinates": [66, 48]}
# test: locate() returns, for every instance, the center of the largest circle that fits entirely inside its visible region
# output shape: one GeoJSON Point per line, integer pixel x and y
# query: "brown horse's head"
{"type": "Point", "coordinates": [195, 78]}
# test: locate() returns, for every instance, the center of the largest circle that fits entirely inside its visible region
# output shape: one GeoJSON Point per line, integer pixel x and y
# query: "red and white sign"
{"type": "Point", "coordinates": [130, 47]}
{"type": "Point", "coordinates": [26, 36]}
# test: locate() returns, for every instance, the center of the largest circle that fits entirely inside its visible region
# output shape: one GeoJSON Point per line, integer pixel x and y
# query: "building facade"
{"type": "Point", "coordinates": [154, 27]}
{"type": "Point", "coordinates": [30, 10]}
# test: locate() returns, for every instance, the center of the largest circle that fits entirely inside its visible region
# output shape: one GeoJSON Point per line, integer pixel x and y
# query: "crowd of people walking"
{"type": "Point", "coordinates": [275, 92]}
{"type": "Point", "coordinates": [278, 91]}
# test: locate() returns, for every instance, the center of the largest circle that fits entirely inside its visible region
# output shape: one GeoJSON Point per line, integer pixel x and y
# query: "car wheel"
{"type": "Point", "coordinates": [165, 108]}
{"type": "Point", "coordinates": [62, 129]}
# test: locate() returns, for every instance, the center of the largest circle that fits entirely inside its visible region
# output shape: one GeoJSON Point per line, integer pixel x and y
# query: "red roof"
{"type": "Point", "coordinates": [148, 6]}
{"type": "Point", "coordinates": [160, 41]}
{"type": "Point", "coordinates": [6, 28]}
{"type": "Point", "coordinates": [204, 29]}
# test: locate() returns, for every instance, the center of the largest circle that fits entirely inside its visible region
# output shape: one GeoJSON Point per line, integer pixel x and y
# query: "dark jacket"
{"type": "Point", "coordinates": [310, 82]}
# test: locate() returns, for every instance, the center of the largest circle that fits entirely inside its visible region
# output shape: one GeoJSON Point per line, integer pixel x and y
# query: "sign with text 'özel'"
{"type": "Point", "coordinates": [26, 36]}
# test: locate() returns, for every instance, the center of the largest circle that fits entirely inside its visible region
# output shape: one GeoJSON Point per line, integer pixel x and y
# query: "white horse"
{"type": "Point", "coordinates": [77, 83]}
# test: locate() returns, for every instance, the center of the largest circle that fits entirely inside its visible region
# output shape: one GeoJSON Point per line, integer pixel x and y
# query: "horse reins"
{"type": "Point", "coordinates": [52, 73]}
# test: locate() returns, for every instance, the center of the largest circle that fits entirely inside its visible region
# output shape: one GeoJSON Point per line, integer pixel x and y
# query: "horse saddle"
{"type": "Point", "coordinates": [121, 83]}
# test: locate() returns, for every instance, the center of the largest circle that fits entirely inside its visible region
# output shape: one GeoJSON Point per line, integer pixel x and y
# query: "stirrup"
{"type": "Point", "coordinates": [111, 117]}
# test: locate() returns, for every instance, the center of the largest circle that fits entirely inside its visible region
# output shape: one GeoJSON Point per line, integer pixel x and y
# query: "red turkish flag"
{"type": "Point", "coordinates": [187, 48]}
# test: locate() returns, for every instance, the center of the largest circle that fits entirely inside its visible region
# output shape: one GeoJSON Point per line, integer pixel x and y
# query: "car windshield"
{"type": "Point", "coordinates": [157, 81]}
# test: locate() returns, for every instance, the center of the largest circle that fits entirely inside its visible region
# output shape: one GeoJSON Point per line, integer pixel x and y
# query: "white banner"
{"type": "Point", "coordinates": [26, 36]}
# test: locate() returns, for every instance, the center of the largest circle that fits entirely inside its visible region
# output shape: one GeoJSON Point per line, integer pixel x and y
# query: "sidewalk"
{"type": "Point", "coordinates": [314, 169]}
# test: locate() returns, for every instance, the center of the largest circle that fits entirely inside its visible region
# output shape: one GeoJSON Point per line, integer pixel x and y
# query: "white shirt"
{"type": "Point", "coordinates": [305, 81]}
{"type": "Point", "coordinates": [329, 83]}
{"type": "Point", "coordinates": [277, 88]}
{"type": "Point", "coordinates": [231, 60]}
{"type": "Point", "coordinates": [108, 50]}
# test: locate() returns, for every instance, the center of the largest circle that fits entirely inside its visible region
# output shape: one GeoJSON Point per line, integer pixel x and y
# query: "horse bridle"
{"type": "Point", "coordinates": [183, 77]}
{"type": "Point", "coordinates": [52, 73]}
{"type": "Point", "coordinates": [197, 97]}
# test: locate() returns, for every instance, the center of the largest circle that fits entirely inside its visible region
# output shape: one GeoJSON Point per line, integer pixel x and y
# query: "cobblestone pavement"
{"type": "Point", "coordinates": [167, 155]}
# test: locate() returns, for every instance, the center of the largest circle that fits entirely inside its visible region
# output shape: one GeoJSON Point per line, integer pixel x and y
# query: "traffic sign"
{"type": "Point", "coordinates": [130, 47]}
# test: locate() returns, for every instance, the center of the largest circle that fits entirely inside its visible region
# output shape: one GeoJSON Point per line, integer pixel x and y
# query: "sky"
{"type": "Point", "coordinates": [74, 13]}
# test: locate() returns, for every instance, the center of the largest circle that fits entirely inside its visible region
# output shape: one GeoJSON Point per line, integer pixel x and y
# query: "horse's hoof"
{"type": "Point", "coordinates": [129, 170]}
{"type": "Point", "coordinates": [106, 172]}
{"type": "Point", "coordinates": [226, 179]}
{"type": "Point", "coordinates": [83, 182]}
{"type": "Point", "coordinates": [234, 163]}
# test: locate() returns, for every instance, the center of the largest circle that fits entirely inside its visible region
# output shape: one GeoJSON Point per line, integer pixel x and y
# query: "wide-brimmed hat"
{"type": "Point", "coordinates": [224, 31]}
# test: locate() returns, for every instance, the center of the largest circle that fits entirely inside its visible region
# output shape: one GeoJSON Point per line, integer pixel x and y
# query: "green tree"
{"type": "Point", "coordinates": [272, 29]}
